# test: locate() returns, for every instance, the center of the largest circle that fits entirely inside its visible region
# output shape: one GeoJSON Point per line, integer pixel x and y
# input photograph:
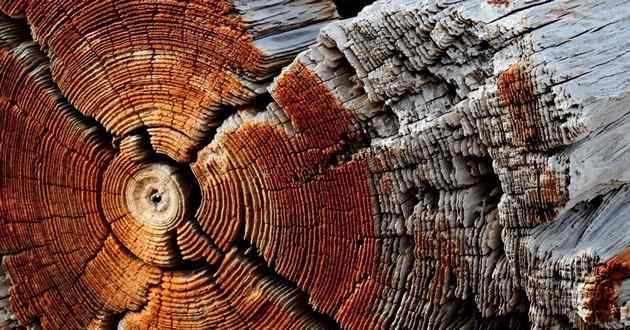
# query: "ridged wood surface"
{"type": "Point", "coordinates": [262, 164]}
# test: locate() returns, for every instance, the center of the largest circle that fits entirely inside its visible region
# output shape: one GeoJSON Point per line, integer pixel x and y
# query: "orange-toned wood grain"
{"type": "Point", "coordinates": [65, 267]}
{"type": "Point", "coordinates": [311, 217]}
{"type": "Point", "coordinates": [239, 297]}
{"type": "Point", "coordinates": [165, 66]}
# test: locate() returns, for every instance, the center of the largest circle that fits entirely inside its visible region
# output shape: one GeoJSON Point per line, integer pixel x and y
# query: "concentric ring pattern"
{"type": "Point", "coordinates": [260, 164]}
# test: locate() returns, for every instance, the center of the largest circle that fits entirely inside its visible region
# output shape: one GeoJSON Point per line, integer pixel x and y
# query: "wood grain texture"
{"type": "Point", "coordinates": [168, 67]}
{"type": "Point", "coordinates": [261, 164]}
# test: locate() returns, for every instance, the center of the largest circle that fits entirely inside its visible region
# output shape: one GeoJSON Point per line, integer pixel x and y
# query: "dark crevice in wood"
{"type": "Point", "coordinates": [34, 323]}
{"type": "Point", "coordinates": [20, 30]}
{"type": "Point", "coordinates": [492, 180]}
{"type": "Point", "coordinates": [114, 321]}
{"type": "Point", "coordinates": [102, 132]}
{"type": "Point", "coordinates": [224, 112]}
{"type": "Point", "coordinates": [192, 266]}
{"type": "Point", "coordinates": [350, 8]}
{"type": "Point", "coordinates": [410, 199]}
{"type": "Point", "coordinates": [251, 252]}
{"type": "Point", "coordinates": [140, 131]}
{"type": "Point", "coordinates": [260, 102]}
{"type": "Point", "coordinates": [349, 148]}
{"type": "Point", "coordinates": [194, 194]}
{"type": "Point", "coordinates": [512, 320]}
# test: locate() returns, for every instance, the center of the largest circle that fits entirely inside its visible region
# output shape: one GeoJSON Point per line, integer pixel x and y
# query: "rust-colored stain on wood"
{"type": "Point", "coordinates": [551, 192]}
{"type": "Point", "coordinates": [498, 2]}
{"type": "Point", "coordinates": [603, 300]}
{"type": "Point", "coordinates": [313, 110]}
{"type": "Point", "coordinates": [516, 92]}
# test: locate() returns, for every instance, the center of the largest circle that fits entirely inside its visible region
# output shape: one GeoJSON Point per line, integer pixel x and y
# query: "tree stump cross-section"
{"type": "Point", "coordinates": [260, 164]}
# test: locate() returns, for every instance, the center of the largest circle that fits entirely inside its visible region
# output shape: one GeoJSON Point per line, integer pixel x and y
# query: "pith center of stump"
{"type": "Point", "coordinates": [157, 196]}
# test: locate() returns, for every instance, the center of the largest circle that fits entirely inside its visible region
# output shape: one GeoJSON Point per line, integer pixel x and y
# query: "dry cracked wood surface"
{"type": "Point", "coordinates": [276, 164]}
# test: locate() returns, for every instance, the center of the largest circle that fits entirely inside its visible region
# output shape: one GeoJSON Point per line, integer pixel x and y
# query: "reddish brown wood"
{"type": "Point", "coordinates": [168, 67]}
{"type": "Point", "coordinates": [243, 164]}
{"type": "Point", "coordinates": [310, 219]}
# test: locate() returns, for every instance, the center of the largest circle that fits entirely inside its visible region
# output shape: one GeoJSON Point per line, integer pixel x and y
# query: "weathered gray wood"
{"type": "Point", "coordinates": [530, 94]}
{"type": "Point", "coordinates": [428, 164]}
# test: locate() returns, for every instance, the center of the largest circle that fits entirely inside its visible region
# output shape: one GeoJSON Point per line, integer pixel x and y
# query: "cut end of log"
{"type": "Point", "coordinates": [256, 164]}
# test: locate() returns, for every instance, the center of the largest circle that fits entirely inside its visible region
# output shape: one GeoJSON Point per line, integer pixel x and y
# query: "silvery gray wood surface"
{"type": "Point", "coordinates": [510, 165]}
